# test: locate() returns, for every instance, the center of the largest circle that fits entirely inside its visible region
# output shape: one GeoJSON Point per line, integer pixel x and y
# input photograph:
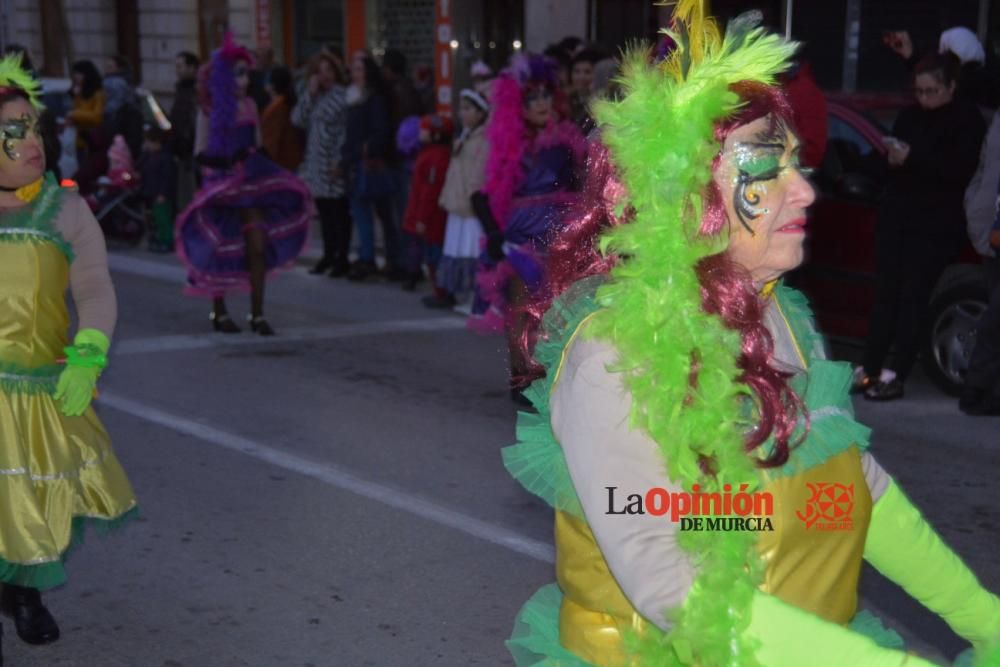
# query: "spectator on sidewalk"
{"type": "Point", "coordinates": [423, 222]}
{"type": "Point", "coordinates": [117, 83]}
{"type": "Point", "coordinates": [283, 141]}
{"type": "Point", "coordinates": [975, 81]}
{"type": "Point", "coordinates": [981, 393]}
{"type": "Point", "coordinates": [921, 225]}
{"type": "Point", "coordinates": [183, 116]}
{"type": "Point", "coordinates": [366, 159]}
{"type": "Point", "coordinates": [158, 170]}
{"type": "Point", "coordinates": [322, 113]}
{"type": "Point", "coordinates": [87, 113]}
{"type": "Point", "coordinates": [463, 235]}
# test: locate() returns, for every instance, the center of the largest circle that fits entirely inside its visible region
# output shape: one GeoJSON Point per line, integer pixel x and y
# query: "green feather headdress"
{"type": "Point", "coordinates": [12, 75]}
{"type": "Point", "coordinates": [661, 139]}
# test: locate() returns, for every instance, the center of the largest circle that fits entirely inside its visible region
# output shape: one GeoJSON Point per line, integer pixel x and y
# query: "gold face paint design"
{"type": "Point", "coordinates": [758, 163]}
{"type": "Point", "coordinates": [14, 131]}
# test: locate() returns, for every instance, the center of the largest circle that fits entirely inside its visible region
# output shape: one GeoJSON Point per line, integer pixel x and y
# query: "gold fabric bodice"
{"type": "Point", "coordinates": [34, 320]}
{"type": "Point", "coordinates": [812, 568]}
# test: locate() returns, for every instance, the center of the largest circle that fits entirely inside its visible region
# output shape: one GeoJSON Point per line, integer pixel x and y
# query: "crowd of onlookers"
{"type": "Point", "coordinates": [367, 139]}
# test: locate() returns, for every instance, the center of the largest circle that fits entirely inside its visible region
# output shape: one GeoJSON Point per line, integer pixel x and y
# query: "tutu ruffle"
{"type": "Point", "coordinates": [210, 231]}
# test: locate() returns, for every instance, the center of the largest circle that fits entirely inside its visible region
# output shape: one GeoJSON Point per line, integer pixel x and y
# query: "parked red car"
{"type": "Point", "coordinates": [839, 272]}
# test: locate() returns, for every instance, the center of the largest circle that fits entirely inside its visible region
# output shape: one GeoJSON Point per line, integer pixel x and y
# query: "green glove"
{"type": "Point", "coordinates": [790, 637]}
{"type": "Point", "coordinates": [903, 546]}
{"type": "Point", "coordinates": [85, 360]}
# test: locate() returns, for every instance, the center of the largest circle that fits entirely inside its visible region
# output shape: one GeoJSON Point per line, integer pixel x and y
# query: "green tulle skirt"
{"type": "Point", "coordinates": [535, 639]}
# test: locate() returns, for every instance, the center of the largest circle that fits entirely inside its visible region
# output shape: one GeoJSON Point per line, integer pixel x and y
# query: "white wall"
{"type": "Point", "coordinates": [166, 27]}
{"type": "Point", "coordinates": [92, 26]}
{"type": "Point", "coordinates": [548, 21]}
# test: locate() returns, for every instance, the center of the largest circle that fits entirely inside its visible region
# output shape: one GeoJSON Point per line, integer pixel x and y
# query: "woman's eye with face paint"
{"type": "Point", "coordinates": [14, 131]}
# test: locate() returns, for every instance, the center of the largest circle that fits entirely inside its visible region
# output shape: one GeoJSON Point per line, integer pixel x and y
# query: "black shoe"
{"type": "Point", "coordinates": [885, 391]}
{"type": "Point", "coordinates": [260, 326]}
{"type": "Point", "coordinates": [321, 266]}
{"type": "Point", "coordinates": [223, 323]}
{"type": "Point", "coordinates": [361, 270]}
{"type": "Point", "coordinates": [438, 302]}
{"type": "Point", "coordinates": [340, 269]}
{"type": "Point", "coordinates": [32, 620]}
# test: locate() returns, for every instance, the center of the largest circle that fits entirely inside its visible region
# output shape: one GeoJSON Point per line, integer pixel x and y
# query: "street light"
{"type": "Point", "coordinates": [453, 44]}
{"type": "Point", "coordinates": [517, 44]}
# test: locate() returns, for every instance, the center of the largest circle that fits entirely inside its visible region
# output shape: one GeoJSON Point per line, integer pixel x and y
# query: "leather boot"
{"type": "Point", "coordinates": [33, 622]}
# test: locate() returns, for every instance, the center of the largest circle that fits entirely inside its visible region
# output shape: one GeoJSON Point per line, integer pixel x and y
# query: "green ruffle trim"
{"type": "Point", "coordinates": [537, 461]}
{"type": "Point", "coordinates": [535, 639]}
{"type": "Point", "coordinates": [35, 223]}
{"type": "Point", "coordinates": [15, 379]}
{"type": "Point", "coordinates": [825, 390]}
{"type": "Point", "coordinates": [52, 574]}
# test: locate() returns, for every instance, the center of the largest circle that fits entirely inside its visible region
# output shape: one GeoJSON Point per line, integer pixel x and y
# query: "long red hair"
{"type": "Point", "coordinates": [727, 289]}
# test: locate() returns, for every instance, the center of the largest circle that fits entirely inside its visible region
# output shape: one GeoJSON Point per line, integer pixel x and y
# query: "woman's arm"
{"type": "Point", "coordinates": [88, 113]}
{"type": "Point", "coordinates": [89, 278]}
{"type": "Point", "coordinates": [590, 419]}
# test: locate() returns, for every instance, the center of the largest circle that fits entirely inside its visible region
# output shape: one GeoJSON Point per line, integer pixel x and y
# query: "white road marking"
{"type": "Point", "coordinates": [338, 478]}
{"type": "Point", "coordinates": [331, 332]}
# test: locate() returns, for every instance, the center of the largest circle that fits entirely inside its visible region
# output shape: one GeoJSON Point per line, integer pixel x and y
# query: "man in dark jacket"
{"type": "Point", "coordinates": [183, 117]}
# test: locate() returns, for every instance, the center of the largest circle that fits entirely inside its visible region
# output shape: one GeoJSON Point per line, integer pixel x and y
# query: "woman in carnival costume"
{"type": "Point", "coordinates": [671, 357]}
{"type": "Point", "coordinates": [531, 170]}
{"type": "Point", "coordinates": [57, 468]}
{"type": "Point", "coordinates": [251, 216]}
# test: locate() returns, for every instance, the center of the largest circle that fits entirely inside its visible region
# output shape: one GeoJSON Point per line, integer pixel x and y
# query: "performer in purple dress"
{"type": "Point", "coordinates": [531, 182]}
{"type": "Point", "coordinates": [250, 216]}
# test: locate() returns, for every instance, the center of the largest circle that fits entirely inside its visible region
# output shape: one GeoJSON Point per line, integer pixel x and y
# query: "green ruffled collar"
{"type": "Point", "coordinates": [35, 222]}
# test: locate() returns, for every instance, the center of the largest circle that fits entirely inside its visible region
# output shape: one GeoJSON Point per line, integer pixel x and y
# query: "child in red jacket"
{"type": "Point", "coordinates": [424, 221]}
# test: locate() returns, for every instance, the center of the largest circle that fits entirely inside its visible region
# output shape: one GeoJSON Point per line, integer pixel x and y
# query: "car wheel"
{"type": "Point", "coordinates": [953, 317]}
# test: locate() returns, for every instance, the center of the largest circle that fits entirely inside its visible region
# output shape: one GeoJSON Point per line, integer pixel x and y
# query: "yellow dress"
{"type": "Point", "coordinates": [56, 472]}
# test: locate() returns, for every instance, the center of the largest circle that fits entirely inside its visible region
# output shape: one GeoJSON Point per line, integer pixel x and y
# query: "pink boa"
{"type": "Point", "coordinates": [510, 141]}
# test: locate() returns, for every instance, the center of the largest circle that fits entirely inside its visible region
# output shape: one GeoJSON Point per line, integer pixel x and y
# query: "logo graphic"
{"type": "Point", "coordinates": [829, 507]}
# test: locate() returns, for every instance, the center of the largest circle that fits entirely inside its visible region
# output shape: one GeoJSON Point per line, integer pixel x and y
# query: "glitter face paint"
{"type": "Point", "coordinates": [14, 131]}
{"type": "Point", "coordinates": [766, 197]}
{"type": "Point", "coordinates": [757, 164]}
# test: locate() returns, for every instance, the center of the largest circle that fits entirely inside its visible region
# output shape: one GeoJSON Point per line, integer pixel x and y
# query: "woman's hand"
{"type": "Point", "coordinates": [898, 152]}
{"type": "Point", "coordinates": [900, 42]}
{"type": "Point", "coordinates": [335, 172]}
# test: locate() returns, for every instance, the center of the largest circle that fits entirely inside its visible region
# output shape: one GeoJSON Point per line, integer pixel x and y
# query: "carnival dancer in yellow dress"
{"type": "Point", "coordinates": [57, 468]}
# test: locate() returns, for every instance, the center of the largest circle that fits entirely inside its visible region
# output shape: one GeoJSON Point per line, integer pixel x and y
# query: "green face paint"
{"type": "Point", "coordinates": [14, 131]}
{"type": "Point", "coordinates": [757, 163]}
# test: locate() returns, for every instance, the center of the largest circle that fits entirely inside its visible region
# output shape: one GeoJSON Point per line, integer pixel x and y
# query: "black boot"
{"type": "Point", "coordinates": [322, 266]}
{"type": "Point", "coordinates": [32, 620]}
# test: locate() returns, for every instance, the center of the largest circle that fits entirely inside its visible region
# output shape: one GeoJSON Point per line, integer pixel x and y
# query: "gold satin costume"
{"type": "Point", "coordinates": [814, 570]}
{"type": "Point", "coordinates": [56, 472]}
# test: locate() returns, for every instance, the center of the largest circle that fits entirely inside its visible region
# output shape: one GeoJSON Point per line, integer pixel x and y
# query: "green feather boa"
{"type": "Point", "coordinates": [661, 139]}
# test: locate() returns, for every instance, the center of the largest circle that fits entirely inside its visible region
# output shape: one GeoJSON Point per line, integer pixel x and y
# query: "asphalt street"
{"type": "Point", "coordinates": [334, 496]}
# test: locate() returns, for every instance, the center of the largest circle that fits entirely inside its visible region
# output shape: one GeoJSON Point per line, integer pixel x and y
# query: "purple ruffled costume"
{"type": "Point", "coordinates": [536, 214]}
{"type": "Point", "coordinates": [210, 231]}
